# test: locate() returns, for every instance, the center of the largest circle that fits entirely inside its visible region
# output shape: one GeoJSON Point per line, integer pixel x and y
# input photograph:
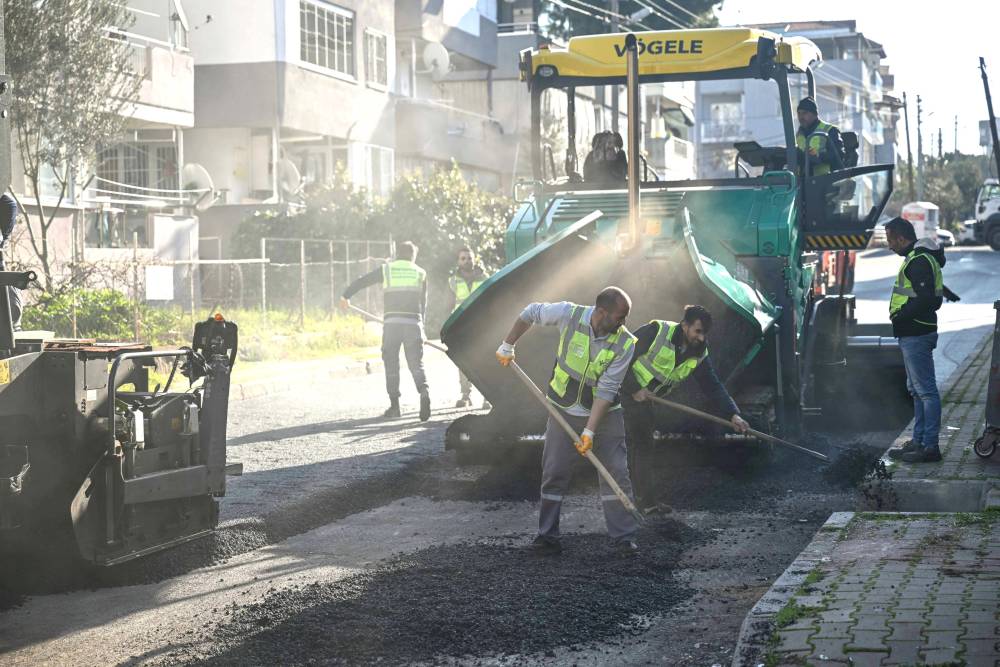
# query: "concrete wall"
{"type": "Point", "coordinates": [241, 31]}
{"type": "Point", "coordinates": [166, 96]}
{"type": "Point", "coordinates": [432, 21]}
{"type": "Point", "coordinates": [226, 155]}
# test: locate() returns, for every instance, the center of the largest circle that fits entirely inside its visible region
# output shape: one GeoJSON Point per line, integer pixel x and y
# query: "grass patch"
{"type": "Point", "coordinates": [984, 518]}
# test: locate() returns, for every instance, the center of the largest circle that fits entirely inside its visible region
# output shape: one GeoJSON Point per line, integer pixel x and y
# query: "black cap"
{"type": "Point", "coordinates": [808, 104]}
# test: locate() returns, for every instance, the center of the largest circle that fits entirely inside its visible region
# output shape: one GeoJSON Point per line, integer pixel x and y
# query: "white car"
{"type": "Point", "coordinates": [945, 238]}
{"type": "Point", "coordinates": [967, 233]}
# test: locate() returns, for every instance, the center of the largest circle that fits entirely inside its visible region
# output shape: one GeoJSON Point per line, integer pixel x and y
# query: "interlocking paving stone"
{"type": "Point", "coordinates": [903, 652]}
{"type": "Point", "coordinates": [981, 631]}
{"type": "Point", "coordinates": [939, 656]}
{"type": "Point", "coordinates": [980, 646]}
{"type": "Point", "coordinates": [794, 640]}
{"type": "Point", "coordinates": [833, 649]}
{"type": "Point", "coordinates": [907, 632]}
{"type": "Point", "coordinates": [868, 640]}
{"type": "Point", "coordinates": [832, 631]}
{"type": "Point", "coordinates": [868, 658]}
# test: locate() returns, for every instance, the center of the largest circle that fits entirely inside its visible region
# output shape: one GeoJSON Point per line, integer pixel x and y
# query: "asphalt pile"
{"type": "Point", "coordinates": [464, 601]}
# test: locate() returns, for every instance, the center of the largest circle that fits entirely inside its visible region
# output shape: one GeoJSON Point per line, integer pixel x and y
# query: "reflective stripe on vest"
{"type": "Point", "coordinates": [403, 284]}
{"type": "Point", "coordinates": [816, 144]}
{"type": "Point", "coordinates": [659, 363]}
{"type": "Point", "coordinates": [575, 375]}
{"type": "Point", "coordinates": [903, 290]}
{"type": "Point", "coordinates": [460, 288]}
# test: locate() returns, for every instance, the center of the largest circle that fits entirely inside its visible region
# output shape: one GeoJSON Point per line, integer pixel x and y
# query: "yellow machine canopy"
{"type": "Point", "coordinates": [669, 55]}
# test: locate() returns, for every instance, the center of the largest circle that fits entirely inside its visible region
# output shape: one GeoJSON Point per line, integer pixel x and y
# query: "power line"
{"type": "Point", "coordinates": [656, 11]}
{"type": "Point", "coordinates": [684, 9]}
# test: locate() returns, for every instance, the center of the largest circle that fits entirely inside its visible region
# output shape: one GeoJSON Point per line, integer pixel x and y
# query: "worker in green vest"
{"type": "Point", "coordinates": [592, 358]}
{"type": "Point", "coordinates": [666, 356]}
{"type": "Point", "coordinates": [916, 297]}
{"type": "Point", "coordinates": [404, 286]}
{"type": "Point", "coordinates": [819, 142]}
{"type": "Point", "coordinates": [464, 280]}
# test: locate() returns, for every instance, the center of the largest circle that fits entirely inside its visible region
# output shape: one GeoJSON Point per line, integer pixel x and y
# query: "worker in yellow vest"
{"type": "Point", "coordinates": [593, 356]}
{"type": "Point", "coordinates": [404, 286]}
{"type": "Point", "coordinates": [668, 354]}
{"type": "Point", "coordinates": [819, 142]}
{"type": "Point", "coordinates": [464, 280]}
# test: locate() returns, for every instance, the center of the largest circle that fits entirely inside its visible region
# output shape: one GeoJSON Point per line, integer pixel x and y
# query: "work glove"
{"type": "Point", "coordinates": [641, 395]}
{"type": "Point", "coordinates": [740, 424]}
{"type": "Point", "coordinates": [586, 442]}
{"type": "Point", "coordinates": [345, 304]}
{"type": "Point", "coordinates": [505, 353]}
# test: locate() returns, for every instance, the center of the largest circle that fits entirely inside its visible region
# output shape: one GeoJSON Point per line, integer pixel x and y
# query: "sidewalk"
{"type": "Point", "coordinates": [915, 587]}
{"type": "Point", "coordinates": [885, 589]}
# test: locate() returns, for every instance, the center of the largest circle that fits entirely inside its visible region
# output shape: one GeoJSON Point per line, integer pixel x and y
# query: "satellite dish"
{"type": "Point", "coordinates": [289, 178]}
{"type": "Point", "coordinates": [437, 62]}
{"type": "Point", "coordinates": [196, 177]}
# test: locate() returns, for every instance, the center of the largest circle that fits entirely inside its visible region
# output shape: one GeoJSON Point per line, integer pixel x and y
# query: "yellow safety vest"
{"type": "Point", "coordinates": [903, 290]}
{"type": "Point", "coordinates": [575, 375]}
{"type": "Point", "coordinates": [659, 363]}
{"type": "Point", "coordinates": [816, 144]}
{"type": "Point", "coordinates": [403, 284]}
{"type": "Point", "coordinates": [461, 289]}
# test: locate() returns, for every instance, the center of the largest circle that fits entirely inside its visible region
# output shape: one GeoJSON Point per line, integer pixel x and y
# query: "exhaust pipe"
{"type": "Point", "coordinates": [627, 238]}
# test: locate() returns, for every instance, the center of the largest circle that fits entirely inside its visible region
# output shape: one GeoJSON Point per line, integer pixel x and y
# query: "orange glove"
{"type": "Point", "coordinates": [505, 353]}
{"type": "Point", "coordinates": [586, 442]}
{"type": "Point", "coordinates": [345, 304]}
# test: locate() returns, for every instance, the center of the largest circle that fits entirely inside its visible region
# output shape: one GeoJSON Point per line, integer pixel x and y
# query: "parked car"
{"type": "Point", "coordinates": [967, 233]}
{"type": "Point", "coordinates": [945, 238]}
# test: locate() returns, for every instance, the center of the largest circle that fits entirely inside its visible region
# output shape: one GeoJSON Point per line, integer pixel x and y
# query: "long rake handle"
{"type": "Point", "coordinates": [378, 319]}
{"type": "Point", "coordinates": [724, 422]}
{"type": "Point", "coordinates": [590, 456]}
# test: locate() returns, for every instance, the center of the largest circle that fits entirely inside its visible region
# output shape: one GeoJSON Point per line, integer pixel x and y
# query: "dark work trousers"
{"type": "Point", "coordinates": [464, 384]}
{"type": "Point", "coordinates": [411, 338]}
{"type": "Point", "coordinates": [639, 431]}
{"type": "Point", "coordinates": [558, 459]}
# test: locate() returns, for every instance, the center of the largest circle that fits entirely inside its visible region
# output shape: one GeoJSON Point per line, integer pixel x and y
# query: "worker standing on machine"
{"type": "Point", "coordinates": [819, 141]}
{"type": "Point", "coordinates": [405, 289]}
{"type": "Point", "coordinates": [916, 298]}
{"type": "Point", "coordinates": [464, 280]}
{"type": "Point", "coordinates": [593, 356]}
{"type": "Point", "coordinates": [667, 355]}
{"type": "Point", "coordinates": [8, 217]}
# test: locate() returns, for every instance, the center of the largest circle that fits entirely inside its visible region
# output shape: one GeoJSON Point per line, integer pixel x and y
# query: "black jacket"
{"type": "Point", "coordinates": [918, 316]}
{"type": "Point", "coordinates": [708, 381]}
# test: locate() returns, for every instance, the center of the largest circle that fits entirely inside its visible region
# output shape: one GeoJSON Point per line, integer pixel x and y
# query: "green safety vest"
{"type": "Point", "coordinates": [575, 375]}
{"type": "Point", "coordinates": [659, 363]}
{"type": "Point", "coordinates": [903, 290]}
{"type": "Point", "coordinates": [403, 284]}
{"type": "Point", "coordinates": [461, 289]}
{"type": "Point", "coordinates": [816, 144]}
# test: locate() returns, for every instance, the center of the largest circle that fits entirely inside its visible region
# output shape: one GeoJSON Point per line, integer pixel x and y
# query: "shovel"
{"type": "Point", "coordinates": [590, 456]}
{"type": "Point", "coordinates": [378, 319]}
{"type": "Point", "coordinates": [725, 422]}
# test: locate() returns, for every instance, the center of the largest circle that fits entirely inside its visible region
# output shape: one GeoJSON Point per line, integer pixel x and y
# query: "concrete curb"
{"type": "Point", "coordinates": [325, 373]}
{"type": "Point", "coordinates": [759, 622]}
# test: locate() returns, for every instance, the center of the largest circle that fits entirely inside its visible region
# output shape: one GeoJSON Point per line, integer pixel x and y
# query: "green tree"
{"type": "Point", "coordinates": [952, 183]}
{"type": "Point", "coordinates": [72, 86]}
{"type": "Point", "coordinates": [562, 23]}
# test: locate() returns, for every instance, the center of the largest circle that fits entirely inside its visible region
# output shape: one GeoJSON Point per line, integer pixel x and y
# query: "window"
{"type": "Point", "coordinates": [326, 35]}
{"type": "Point", "coordinates": [379, 177]}
{"type": "Point", "coordinates": [376, 62]}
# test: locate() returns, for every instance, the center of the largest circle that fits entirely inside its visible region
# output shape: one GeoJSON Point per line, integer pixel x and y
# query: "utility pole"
{"type": "Point", "coordinates": [992, 117]}
{"type": "Point", "coordinates": [940, 144]}
{"type": "Point", "coordinates": [956, 135]}
{"type": "Point", "coordinates": [920, 153]}
{"type": "Point", "coordinates": [909, 153]}
{"type": "Point", "coordinates": [614, 88]}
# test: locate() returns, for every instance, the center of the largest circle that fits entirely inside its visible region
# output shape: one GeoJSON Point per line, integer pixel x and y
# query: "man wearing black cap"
{"type": "Point", "coordinates": [820, 142]}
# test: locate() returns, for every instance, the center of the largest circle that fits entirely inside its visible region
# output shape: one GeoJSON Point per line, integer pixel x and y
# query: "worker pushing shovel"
{"type": "Point", "coordinates": [593, 355]}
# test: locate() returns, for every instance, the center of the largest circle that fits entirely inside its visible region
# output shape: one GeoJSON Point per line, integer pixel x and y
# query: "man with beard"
{"type": "Point", "coordinates": [592, 358]}
{"type": "Point", "coordinates": [667, 355]}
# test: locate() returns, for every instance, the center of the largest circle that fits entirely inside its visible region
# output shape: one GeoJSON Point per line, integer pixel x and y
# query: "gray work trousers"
{"type": "Point", "coordinates": [464, 384]}
{"type": "Point", "coordinates": [411, 338]}
{"type": "Point", "coordinates": [558, 459]}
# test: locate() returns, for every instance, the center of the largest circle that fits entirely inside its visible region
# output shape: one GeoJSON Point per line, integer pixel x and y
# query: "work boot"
{"type": "Point", "coordinates": [896, 453]}
{"type": "Point", "coordinates": [425, 406]}
{"type": "Point", "coordinates": [463, 402]}
{"type": "Point", "coordinates": [393, 411]}
{"type": "Point", "coordinates": [922, 455]}
{"type": "Point", "coordinates": [544, 546]}
{"type": "Point", "coordinates": [626, 548]}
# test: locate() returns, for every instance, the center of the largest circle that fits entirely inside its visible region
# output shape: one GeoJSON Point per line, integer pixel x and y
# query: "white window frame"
{"type": "Point", "coordinates": [322, 69]}
{"type": "Point", "coordinates": [369, 81]}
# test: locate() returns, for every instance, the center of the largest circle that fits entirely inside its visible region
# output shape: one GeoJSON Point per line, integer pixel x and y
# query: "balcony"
{"type": "Point", "coordinates": [437, 131]}
{"type": "Point", "coordinates": [713, 131]}
{"type": "Point", "coordinates": [166, 92]}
